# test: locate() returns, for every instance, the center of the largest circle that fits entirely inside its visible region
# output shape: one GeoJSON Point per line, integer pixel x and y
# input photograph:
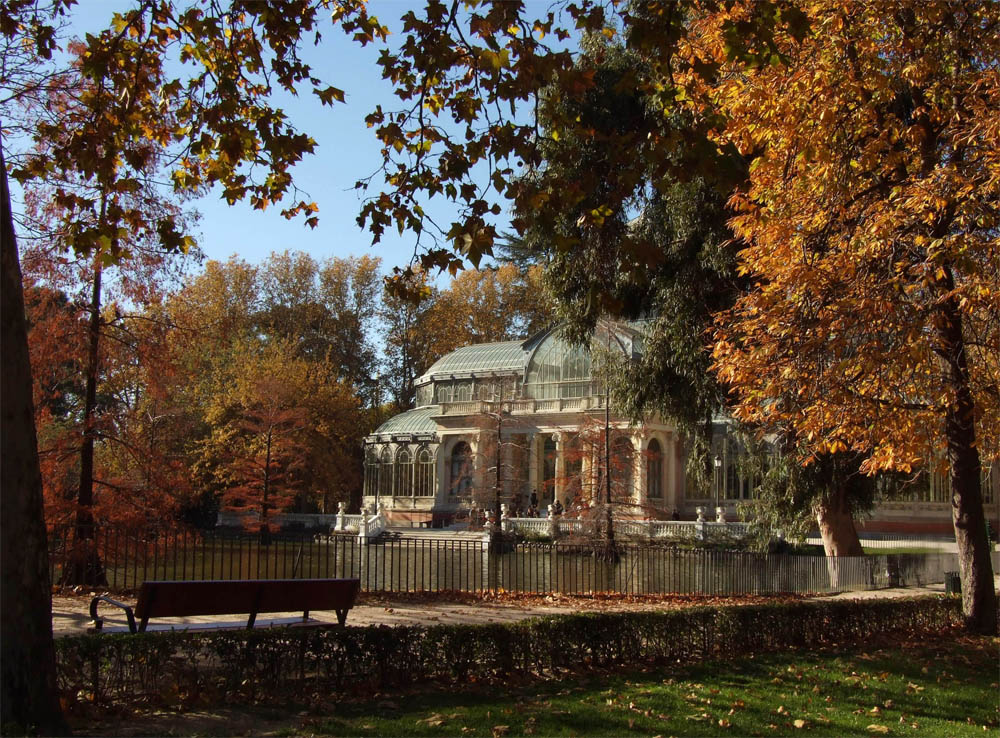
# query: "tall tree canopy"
{"type": "Point", "coordinates": [283, 336]}
{"type": "Point", "coordinates": [867, 141]}
{"type": "Point", "coordinates": [216, 118]}
{"type": "Point", "coordinates": [459, 69]}
{"type": "Point", "coordinates": [871, 219]}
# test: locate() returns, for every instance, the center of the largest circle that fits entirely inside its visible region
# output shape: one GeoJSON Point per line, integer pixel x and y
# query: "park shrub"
{"type": "Point", "coordinates": [318, 662]}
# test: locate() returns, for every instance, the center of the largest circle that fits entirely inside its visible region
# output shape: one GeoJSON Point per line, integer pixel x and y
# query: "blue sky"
{"type": "Point", "coordinates": [347, 151]}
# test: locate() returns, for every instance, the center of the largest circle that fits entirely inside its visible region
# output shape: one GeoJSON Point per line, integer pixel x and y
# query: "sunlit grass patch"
{"type": "Point", "coordinates": [947, 689]}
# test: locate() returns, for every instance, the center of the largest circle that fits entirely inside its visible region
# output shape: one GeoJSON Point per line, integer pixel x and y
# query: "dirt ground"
{"type": "Point", "coordinates": [71, 615]}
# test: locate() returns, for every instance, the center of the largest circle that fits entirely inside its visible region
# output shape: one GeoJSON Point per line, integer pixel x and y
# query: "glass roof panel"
{"type": "Point", "coordinates": [479, 358]}
{"type": "Point", "coordinates": [414, 421]}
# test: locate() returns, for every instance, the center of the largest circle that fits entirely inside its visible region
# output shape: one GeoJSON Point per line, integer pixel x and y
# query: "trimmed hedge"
{"type": "Point", "coordinates": [274, 663]}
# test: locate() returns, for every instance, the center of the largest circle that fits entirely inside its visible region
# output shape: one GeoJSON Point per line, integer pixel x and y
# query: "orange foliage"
{"type": "Point", "coordinates": [870, 218]}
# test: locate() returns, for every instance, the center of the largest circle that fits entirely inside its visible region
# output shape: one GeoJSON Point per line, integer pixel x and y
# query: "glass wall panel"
{"type": "Point", "coordinates": [442, 392]}
{"type": "Point", "coordinates": [424, 482]}
{"type": "Point", "coordinates": [559, 369]}
{"type": "Point", "coordinates": [404, 473]}
{"type": "Point", "coordinates": [385, 473]}
{"type": "Point", "coordinates": [371, 471]}
{"type": "Point", "coordinates": [462, 391]}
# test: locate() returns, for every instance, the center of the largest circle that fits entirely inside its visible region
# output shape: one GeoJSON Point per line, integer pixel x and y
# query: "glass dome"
{"type": "Point", "coordinates": [558, 368]}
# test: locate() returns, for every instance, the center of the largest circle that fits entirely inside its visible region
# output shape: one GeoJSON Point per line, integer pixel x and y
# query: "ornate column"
{"type": "Point", "coordinates": [586, 478]}
{"type": "Point", "coordinates": [560, 481]}
{"type": "Point", "coordinates": [639, 480]}
{"type": "Point", "coordinates": [638, 467]}
{"type": "Point", "coordinates": [532, 462]}
{"type": "Point", "coordinates": [441, 457]}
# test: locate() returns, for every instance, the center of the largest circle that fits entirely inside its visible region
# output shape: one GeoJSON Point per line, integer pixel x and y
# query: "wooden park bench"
{"type": "Point", "coordinates": [233, 597]}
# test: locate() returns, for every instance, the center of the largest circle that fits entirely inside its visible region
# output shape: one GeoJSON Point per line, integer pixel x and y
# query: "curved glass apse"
{"type": "Point", "coordinates": [558, 368]}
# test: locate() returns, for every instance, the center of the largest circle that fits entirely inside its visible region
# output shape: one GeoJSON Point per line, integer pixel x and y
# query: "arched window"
{"type": "Point", "coordinates": [404, 473]}
{"type": "Point", "coordinates": [371, 471]}
{"type": "Point", "coordinates": [731, 490]}
{"type": "Point", "coordinates": [423, 483]}
{"type": "Point", "coordinates": [461, 469]}
{"type": "Point", "coordinates": [654, 471]}
{"type": "Point", "coordinates": [385, 473]}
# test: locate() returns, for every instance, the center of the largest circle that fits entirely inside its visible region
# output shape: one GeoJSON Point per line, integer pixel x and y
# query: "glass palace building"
{"type": "Point", "coordinates": [533, 412]}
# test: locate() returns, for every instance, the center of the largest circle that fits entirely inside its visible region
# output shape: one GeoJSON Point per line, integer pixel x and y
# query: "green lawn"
{"type": "Point", "coordinates": [946, 689]}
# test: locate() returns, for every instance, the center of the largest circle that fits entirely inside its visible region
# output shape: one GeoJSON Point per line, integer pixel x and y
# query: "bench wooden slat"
{"type": "Point", "coordinates": [231, 597]}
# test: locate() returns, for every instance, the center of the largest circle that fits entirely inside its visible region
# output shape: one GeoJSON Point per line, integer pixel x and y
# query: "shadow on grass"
{"type": "Point", "coordinates": [907, 689]}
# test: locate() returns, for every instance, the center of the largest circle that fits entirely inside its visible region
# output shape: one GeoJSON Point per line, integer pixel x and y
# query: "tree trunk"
{"type": "Point", "coordinates": [836, 528]}
{"type": "Point", "coordinates": [28, 697]}
{"type": "Point", "coordinates": [84, 565]}
{"type": "Point", "coordinates": [979, 600]}
{"type": "Point", "coordinates": [264, 536]}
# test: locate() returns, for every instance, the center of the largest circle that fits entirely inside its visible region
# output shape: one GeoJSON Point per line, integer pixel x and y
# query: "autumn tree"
{"type": "Point", "coordinates": [142, 460]}
{"type": "Point", "coordinates": [104, 291]}
{"type": "Point", "coordinates": [266, 458]}
{"type": "Point", "coordinates": [408, 335]}
{"type": "Point", "coordinates": [600, 480]}
{"type": "Point", "coordinates": [487, 305]}
{"type": "Point", "coordinates": [209, 120]}
{"type": "Point", "coordinates": [690, 67]}
{"type": "Point", "coordinates": [226, 341]}
{"type": "Point", "coordinates": [871, 222]}
{"type": "Point", "coordinates": [328, 308]}
{"type": "Point", "coordinates": [56, 343]}
{"type": "Point", "coordinates": [30, 699]}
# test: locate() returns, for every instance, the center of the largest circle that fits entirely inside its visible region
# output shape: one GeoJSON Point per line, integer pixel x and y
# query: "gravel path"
{"type": "Point", "coordinates": [70, 612]}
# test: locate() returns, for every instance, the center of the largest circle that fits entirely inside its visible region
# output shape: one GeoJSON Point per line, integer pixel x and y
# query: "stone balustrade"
{"type": "Point", "coordinates": [555, 525]}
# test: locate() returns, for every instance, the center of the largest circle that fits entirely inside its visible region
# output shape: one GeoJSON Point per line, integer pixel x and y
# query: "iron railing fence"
{"type": "Point", "coordinates": [432, 565]}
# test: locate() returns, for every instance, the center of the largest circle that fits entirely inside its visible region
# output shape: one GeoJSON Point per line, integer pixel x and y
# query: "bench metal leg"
{"type": "Point", "coordinates": [99, 622]}
{"type": "Point", "coordinates": [341, 616]}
